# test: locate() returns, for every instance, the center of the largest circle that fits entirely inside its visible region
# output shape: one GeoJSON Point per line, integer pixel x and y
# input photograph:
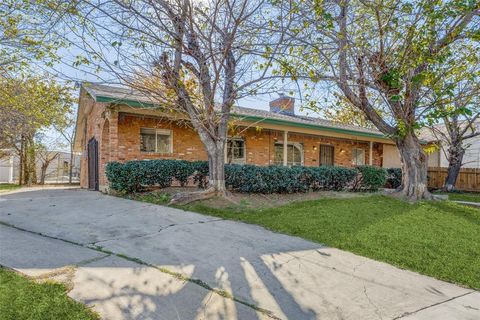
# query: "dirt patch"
{"type": "Point", "coordinates": [244, 200]}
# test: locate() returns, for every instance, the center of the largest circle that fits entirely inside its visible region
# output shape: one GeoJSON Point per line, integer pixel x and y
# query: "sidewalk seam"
{"type": "Point", "coordinates": [177, 275]}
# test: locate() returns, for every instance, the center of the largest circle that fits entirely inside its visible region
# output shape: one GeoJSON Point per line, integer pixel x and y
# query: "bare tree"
{"type": "Point", "coordinates": [199, 57]}
{"type": "Point", "coordinates": [454, 106]}
{"type": "Point", "coordinates": [67, 131]}
{"type": "Point", "coordinates": [384, 54]}
{"type": "Point", "coordinates": [460, 124]}
{"type": "Point", "coordinates": [45, 158]}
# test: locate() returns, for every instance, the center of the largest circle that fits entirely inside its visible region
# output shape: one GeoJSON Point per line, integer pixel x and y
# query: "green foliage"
{"type": "Point", "coordinates": [371, 178]}
{"type": "Point", "coordinates": [201, 173]}
{"type": "Point", "coordinates": [4, 187]}
{"type": "Point", "coordinates": [21, 298]}
{"type": "Point", "coordinates": [329, 177]}
{"type": "Point", "coordinates": [27, 32]}
{"type": "Point", "coordinates": [394, 178]}
{"type": "Point", "coordinates": [343, 111]}
{"type": "Point", "coordinates": [133, 176]}
{"type": "Point", "coordinates": [463, 196]}
{"type": "Point", "coordinates": [31, 103]}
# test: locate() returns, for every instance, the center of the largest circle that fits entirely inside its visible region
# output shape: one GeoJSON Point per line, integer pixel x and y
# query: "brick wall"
{"type": "Point", "coordinates": [93, 127]}
{"type": "Point", "coordinates": [186, 143]}
{"type": "Point", "coordinates": [118, 135]}
{"type": "Point", "coordinates": [260, 147]}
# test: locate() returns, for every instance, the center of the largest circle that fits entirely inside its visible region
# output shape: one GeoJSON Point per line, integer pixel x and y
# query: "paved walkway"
{"type": "Point", "coordinates": [132, 260]}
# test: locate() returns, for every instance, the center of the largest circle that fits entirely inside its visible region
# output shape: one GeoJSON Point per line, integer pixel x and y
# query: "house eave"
{"type": "Point", "coordinates": [140, 104]}
{"type": "Point", "coordinates": [308, 126]}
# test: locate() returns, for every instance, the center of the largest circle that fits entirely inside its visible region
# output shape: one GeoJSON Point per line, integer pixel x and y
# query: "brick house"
{"type": "Point", "coordinates": [118, 124]}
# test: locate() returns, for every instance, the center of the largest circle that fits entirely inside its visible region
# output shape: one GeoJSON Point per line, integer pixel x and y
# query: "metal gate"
{"type": "Point", "coordinates": [92, 164]}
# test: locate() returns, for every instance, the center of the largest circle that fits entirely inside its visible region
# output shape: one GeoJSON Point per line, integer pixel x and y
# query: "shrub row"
{"type": "Point", "coordinates": [394, 178]}
{"type": "Point", "coordinates": [132, 176]}
{"type": "Point", "coordinates": [370, 178]}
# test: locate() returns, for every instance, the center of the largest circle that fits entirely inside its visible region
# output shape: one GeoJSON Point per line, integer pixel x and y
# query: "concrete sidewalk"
{"type": "Point", "coordinates": [133, 260]}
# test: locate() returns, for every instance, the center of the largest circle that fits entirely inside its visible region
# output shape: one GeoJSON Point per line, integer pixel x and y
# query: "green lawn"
{"type": "Point", "coordinates": [439, 239]}
{"type": "Point", "coordinates": [8, 187]}
{"type": "Point", "coordinates": [464, 196]}
{"type": "Point", "coordinates": [21, 298]}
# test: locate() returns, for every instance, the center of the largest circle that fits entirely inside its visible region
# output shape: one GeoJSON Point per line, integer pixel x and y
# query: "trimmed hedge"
{"type": "Point", "coordinates": [134, 175]}
{"type": "Point", "coordinates": [370, 178]}
{"type": "Point", "coordinates": [394, 178]}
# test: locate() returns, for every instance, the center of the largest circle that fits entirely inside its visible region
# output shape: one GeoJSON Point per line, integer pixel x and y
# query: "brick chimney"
{"type": "Point", "coordinates": [283, 105]}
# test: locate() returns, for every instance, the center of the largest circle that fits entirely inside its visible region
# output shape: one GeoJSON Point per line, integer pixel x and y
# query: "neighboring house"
{"type": "Point", "coordinates": [7, 169]}
{"type": "Point", "coordinates": [57, 171]}
{"type": "Point", "coordinates": [119, 124]}
{"type": "Point", "coordinates": [439, 158]}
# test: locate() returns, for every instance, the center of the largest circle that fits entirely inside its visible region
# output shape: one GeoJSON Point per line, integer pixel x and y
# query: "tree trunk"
{"type": "Point", "coordinates": [70, 171]}
{"type": "Point", "coordinates": [43, 174]}
{"type": "Point", "coordinates": [414, 168]}
{"type": "Point", "coordinates": [21, 161]}
{"type": "Point", "coordinates": [31, 172]}
{"type": "Point", "coordinates": [216, 177]}
{"type": "Point", "coordinates": [455, 159]}
{"type": "Point", "coordinates": [216, 169]}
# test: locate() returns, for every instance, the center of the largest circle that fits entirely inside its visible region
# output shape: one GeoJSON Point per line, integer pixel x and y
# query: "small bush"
{"type": "Point", "coordinates": [370, 178]}
{"type": "Point", "coordinates": [394, 178]}
{"type": "Point", "coordinates": [200, 176]}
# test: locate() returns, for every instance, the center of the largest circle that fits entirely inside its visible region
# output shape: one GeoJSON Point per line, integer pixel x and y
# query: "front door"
{"type": "Point", "coordinates": [326, 155]}
{"type": "Point", "coordinates": [92, 154]}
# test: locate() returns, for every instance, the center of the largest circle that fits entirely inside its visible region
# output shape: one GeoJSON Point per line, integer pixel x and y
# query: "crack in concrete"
{"type": "Point", "coordinates": [355, 267]}
{"type": "Point", "coordinates": [177, 275]}
{"type": "Point", "coordinates": [88, 261]}
{"type": "Point", "coordinates": [153, 233]}
{"type": "Point", "coordinates": [377, 311]}
{"type": "Point", "coordinates": [432, 305]}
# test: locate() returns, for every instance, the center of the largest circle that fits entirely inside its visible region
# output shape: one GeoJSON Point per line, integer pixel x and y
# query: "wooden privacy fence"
{"type": "Point", "coordinates": [468, 179]}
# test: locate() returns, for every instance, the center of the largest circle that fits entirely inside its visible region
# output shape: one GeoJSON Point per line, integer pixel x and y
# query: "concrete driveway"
{"type": "Point", "coordinates": [132, 260]}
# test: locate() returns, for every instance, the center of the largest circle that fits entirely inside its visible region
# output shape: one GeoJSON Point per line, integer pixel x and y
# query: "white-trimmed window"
{"type": "Point", "coordinates": [358, 157]}
{"type": "Point", "coordinates": [235, 151]}
{"type": "Point", "coordinates": [156, 140]}
{"type": "Point", "coordinates": [294, 154]}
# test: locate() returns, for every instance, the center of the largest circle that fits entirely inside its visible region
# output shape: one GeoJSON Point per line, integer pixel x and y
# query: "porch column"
{"type": "Point", "coordinates": [370, 153]}
{"type": "Point", "coordinates": [113, 136]}
{"type": "Point", "coordinates": [285, 144]}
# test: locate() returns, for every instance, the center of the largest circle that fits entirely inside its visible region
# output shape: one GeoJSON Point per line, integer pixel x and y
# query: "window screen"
{"type": "Point", "coordinates": [326, 155]}
{"type": "Point", "coordinates": [235, 151]}
{"type": "Point", "coordinates": [154, 140]}
{"type": "Point", "coordinates": [358, 157]}
{"type": "Point", "coordinates": [294, 154]}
